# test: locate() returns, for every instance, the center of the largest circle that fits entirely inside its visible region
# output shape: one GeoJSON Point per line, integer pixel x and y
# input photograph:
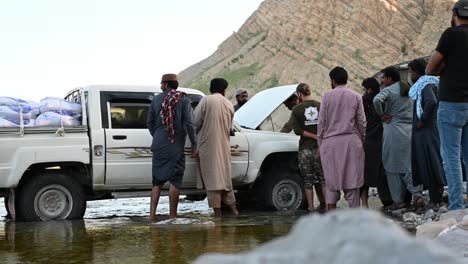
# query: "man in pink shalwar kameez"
{"type": "Point", "coordinates": [341, 133]}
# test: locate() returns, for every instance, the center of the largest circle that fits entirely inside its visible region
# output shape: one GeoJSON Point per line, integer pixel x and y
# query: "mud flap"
{"type": "Point", "coordinates": [11, 204]}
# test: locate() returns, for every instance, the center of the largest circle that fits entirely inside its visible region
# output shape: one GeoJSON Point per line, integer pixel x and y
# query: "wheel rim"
{"type": "Point", "coordinates": [53, 202]}
{"type": "Point", "coordinates": [287, 195]}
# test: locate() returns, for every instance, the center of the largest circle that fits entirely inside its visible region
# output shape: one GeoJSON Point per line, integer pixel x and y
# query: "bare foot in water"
{"type": "Point", "coordinates": [234, 210]}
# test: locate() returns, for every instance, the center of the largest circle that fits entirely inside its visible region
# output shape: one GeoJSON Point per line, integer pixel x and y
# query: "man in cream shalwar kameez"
{"type": "Point", "coordinates": [213, 121]}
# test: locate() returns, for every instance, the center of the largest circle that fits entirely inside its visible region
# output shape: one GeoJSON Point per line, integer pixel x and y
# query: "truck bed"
{"type": "Point", "coordinates": [38, 130]}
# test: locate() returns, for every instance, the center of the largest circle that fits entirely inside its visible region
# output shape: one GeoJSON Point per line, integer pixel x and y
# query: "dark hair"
{"type": "Point", "coordinates": [418, 66]}
{"type": "Point", "coordinates": [218, 85]}
{"type": "Point", "coordinates": [392, 73]}
{"type": "Point", "coordinates": [304, 89]}
{"type": "Point", "coordinates": [339, 75]}
{"type": "Point", "coordinates": [172, 84]}
{"type": "Point", "coordinates": [292, 97]}
{"type": "Point", "coordinates": [372, 84]}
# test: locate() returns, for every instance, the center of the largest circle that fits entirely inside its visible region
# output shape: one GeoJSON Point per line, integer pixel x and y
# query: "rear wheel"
{"type": "Point", "coordinates": [50, 196]}
{"type": "Point", "coordinates": [280, 191]}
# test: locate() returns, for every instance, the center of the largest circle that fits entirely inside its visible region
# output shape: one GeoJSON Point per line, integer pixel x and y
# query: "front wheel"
{"type": "Point", "coordinates": [282, 191]}
{"type": "Point", "coordinates": [50, 196]}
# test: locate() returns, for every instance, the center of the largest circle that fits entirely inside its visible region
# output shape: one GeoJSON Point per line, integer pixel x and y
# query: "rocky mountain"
{"type": "Point", "coordinates": [291, 41]}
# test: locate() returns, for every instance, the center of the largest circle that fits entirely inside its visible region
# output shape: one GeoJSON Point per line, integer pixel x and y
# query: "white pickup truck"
{"type": "Point", "coordinates": [48, 175]}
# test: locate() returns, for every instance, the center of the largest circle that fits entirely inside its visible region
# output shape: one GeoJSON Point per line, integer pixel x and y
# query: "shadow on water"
{"type": "Point", "coordinates": [134, 240]}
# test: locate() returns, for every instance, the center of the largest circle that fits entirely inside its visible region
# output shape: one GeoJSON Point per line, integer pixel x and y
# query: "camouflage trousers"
{"type": "Point", "coordinates": [310, 168]}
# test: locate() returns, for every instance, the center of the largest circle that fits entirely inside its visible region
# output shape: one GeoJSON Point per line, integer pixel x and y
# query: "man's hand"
{"type": "Point", "coordinates": [387, 119]}
{"type": "Point", "coordinates": [309, 135]}
{"type": "Point", "coordinates": [194, 153]}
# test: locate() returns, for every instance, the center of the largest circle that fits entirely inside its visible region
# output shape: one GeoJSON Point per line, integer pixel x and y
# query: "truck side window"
{"type": "Point", "coordinates": [124, 110]}
{"type": "Point", "coordinates": [129, 114]}
{"type": "Point", "coordinates": [194, 100]}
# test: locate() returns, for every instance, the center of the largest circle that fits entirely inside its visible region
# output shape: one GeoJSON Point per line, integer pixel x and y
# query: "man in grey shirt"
{"type": "Point", "coordinates": [396, 112]}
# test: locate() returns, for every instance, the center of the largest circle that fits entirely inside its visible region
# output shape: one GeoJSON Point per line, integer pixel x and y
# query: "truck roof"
{"type": "Point", "coordinates": [139, 88]}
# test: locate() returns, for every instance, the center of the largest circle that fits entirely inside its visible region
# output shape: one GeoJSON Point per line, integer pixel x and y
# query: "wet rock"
{"type": "Point", "coordinates": [411, 221]}
{"type": "Point", "coordinates": [456, 237]}
{"type": "Point", "coordinates": [411, 217]}
{"type": "Point", "coordinates": [442, 210]}
{"type": "Point", "coordinates": [343, 236]}
{"type": "Point", "coordinates": [433, 229]}
{"type": "Point", "coordinates": [429, 215]}
{"type": "Point", "coordinates": [399, 212]}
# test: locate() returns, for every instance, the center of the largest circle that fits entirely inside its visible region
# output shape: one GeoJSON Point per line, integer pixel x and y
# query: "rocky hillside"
{"type": "Point", "coordinates": [291, 41]}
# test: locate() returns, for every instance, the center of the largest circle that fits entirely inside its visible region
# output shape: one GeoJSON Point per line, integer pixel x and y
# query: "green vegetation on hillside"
{"type": "Point", "coordinates": [234, 77]}
{"type": "Point", "coordinates": [270, 82]}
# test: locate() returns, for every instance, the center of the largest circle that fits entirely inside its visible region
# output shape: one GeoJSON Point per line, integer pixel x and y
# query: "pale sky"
{"type": "Point", "coordinates": [49, 47]}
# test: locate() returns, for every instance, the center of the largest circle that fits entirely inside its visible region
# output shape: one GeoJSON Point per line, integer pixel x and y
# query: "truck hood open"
{"type": "Point", "coordinates": [260, 106]}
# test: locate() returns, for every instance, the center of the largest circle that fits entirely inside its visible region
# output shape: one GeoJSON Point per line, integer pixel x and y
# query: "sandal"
{"type": "Point", "coordinates": [396, 206]}
{"type": "Point", "coordinates": [418, 202]}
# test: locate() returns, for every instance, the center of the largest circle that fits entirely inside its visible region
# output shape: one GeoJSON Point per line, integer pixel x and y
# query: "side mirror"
{"type": "Point", "coordinates": [232, 132]}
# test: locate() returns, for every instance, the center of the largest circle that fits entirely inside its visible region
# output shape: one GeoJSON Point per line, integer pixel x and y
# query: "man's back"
{"type": "Point", "coordinates": [155, 124]}
{"type": "Point", "coordinates": [340, 108]}
{"type": "Point", "coordinates": [400, 108]}
{"type": "Point", "coordinates": [306, 119]}
{"type": "Point", "coordinates": [218, 113]}
{"type": "Point", "coordinates": [454, 79]}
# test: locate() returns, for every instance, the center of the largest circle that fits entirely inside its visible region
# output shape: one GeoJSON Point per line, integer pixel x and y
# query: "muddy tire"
{"type": "Point", "coordinates": [280, 191]}
{"type": "Point", "coordinates": [50, 196]}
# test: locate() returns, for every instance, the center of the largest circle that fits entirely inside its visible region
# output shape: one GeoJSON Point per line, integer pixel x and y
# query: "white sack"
{"type": "Point", "coordinates": [56, 120]}
{"type": "Point", "coordinates": [12, 123]}
{"type": "Point", "coordinates": [59, 105]}
{"type": "Point", "coordinates": [13, 112]}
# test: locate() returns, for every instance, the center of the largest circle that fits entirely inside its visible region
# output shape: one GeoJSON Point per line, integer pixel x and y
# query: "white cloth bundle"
{"type": "Point", "coordinates": [12, 123]}
{"type": "Point", "coordinates": [60, 106]}
{"type": "Point", "coordinates": [56, 120]}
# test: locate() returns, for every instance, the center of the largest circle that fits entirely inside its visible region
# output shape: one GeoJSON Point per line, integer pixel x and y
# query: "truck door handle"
{"type": "Point", "coordinates": [119, 137]}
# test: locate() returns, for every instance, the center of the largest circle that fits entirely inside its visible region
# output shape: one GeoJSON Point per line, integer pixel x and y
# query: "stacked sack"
{"type": "Point", "coordinates": [15, 111]}
{"type": "Point", "coordinates": [57, 112]}
{"type": "Point", "coordinates": [50, 112]}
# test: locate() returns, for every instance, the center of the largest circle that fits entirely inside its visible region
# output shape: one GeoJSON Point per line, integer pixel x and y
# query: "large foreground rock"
{"type": "Point", "coordinates": [456, 214]}
{"type": "Point", "coordinates": [432, 230]}
{"type": "Point", "coordinates": [456, 237]}
{"type": "Point", "coordinates": [451, 231]}
{"type": "Point", "coordinates": [345, 236]}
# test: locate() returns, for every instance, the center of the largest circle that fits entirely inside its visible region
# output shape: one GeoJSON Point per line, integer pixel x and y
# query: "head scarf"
{"type": "Point", "coordinates": [169, 105]}
{"type": "Point", "coordinates": [416, 89]}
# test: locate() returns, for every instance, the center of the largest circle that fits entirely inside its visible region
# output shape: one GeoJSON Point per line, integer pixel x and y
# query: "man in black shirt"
{"type": "Point", "coordinates": [305, 115]}
{"type": "Point", "coordinates": [450, 61]}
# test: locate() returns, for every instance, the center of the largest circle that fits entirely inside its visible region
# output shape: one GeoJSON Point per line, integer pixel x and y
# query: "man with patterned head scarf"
{"type": "Point", "coordinates": [170, 120]}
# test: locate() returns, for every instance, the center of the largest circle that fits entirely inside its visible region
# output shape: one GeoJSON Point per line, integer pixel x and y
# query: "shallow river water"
{"type": "Point", "coordinates": [118, 231]}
